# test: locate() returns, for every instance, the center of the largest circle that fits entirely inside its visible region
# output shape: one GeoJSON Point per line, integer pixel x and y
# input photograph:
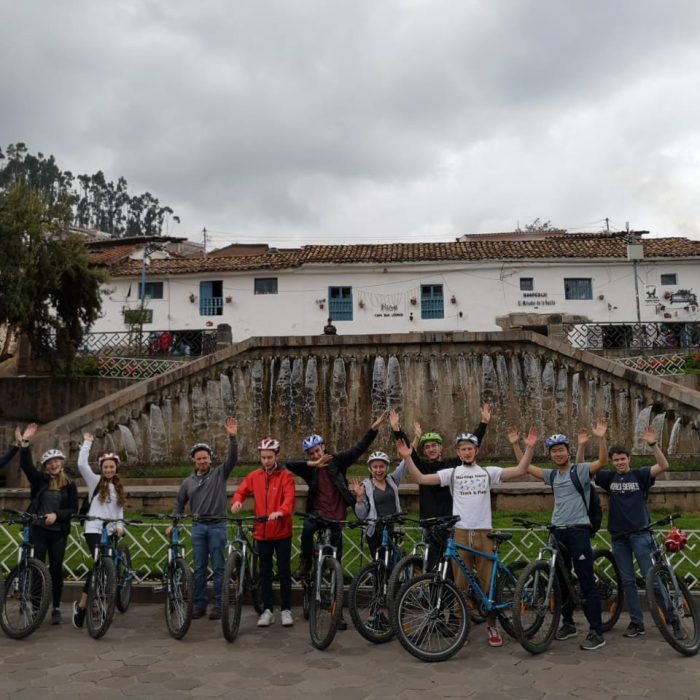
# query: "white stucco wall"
{"type": "Point", "coordinates": [482, 291]}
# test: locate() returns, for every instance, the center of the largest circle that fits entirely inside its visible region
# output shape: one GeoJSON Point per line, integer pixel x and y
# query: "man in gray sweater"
{"type": "Point", "coordinates": [205, 490]}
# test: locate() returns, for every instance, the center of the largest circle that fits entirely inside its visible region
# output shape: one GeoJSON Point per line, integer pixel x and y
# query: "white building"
{"type": "Point", "coordinates": [403, 287]}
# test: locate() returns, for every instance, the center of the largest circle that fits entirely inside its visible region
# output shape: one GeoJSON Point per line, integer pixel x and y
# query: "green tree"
{"type": "Point", "coordinates": [50, 291]}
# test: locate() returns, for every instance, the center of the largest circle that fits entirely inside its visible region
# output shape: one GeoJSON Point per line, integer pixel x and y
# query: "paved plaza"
{"type": "Point", "coordinates": [137, 659]}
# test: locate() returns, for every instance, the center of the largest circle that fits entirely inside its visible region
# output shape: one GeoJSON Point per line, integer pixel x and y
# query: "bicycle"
{"type": "Point", "coordinates": [111, 561]}
{"type": "Point", "coordinates": [670, 602]}
{"type": "Point", "coordinates": [431, 613]}
{"type": "Point", "coordinates": [368, 598]}
{"type": "Point", "coordinates": [241, 576]}
{"type": "Point", "coordinates": [537, 601]}
{"type": "Point", "coordinates": [178, 581]}
{"type": "Point", "coordinates": [25, 592]}
{"type": "Point", "coordinates": [323, 588]}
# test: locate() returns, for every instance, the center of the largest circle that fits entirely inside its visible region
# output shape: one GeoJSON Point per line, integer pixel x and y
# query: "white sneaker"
{"type": "Point", "coordinates": [287, 619]}
{"type": "Point", "coordinates": [266, 619]}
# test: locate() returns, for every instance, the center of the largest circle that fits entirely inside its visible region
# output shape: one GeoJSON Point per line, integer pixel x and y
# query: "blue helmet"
{"type": "Point", "coordinates": [311, 441]}
{"type": "Point", "coordinates": [467, 437]}
{"type": "Point", "coordinates": [556, 439]}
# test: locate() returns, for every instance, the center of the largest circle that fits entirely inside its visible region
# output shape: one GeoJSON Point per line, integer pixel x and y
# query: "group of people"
{"type": "Point", "coordinates": [456, 485]}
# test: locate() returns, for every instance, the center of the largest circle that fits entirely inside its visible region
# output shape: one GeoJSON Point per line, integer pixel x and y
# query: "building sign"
{"type": "Point", "coordinates": [536, 299]}
{"type": "Point", "coordinates": [385, 305]}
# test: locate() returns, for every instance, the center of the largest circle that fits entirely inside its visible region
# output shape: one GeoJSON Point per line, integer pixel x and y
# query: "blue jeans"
{"type": "Point", "coordinates": [641, 544]}
{"type": "Point", "coordinates": [208, 542]}
{"type": "Point", "coordinates": [577, 551]}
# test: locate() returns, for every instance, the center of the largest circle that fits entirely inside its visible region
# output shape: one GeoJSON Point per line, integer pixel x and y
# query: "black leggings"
{"type": "Point", "coordinates": [93, 540]}
{"type": "Point", "coordinates": [52, 542]}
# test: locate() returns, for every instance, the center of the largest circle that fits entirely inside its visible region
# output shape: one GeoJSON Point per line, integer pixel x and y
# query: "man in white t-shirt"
{"type": "Point", "coordinates": [470, 485]}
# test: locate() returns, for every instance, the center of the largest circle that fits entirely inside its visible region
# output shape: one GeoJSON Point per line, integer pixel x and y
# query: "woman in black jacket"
{"type": "Point", "coordinates": [54, 496]}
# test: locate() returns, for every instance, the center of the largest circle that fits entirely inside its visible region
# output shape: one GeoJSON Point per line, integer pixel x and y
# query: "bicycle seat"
{"type": "Point", "coordinates": [500, 537]}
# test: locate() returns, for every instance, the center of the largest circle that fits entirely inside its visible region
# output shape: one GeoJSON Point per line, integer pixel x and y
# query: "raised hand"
{"type": "Point", "coordinates": [513, 435]}
{"type": "Point", "coordinates": [486, 413]}
{"type": "Point", "coordinates": [231, 425]}
{"type": "Point", "coordinates": [417, 431]}
{"type": "Point", "coordinates": [88, 436]}
{"type": "Point", "coordinates": [357, 488]}
{"type": "Point", "coordinates": [394, 420]}
{"type": "Point", "coordinates": [601, 427]}
{"type": "Point", "coordinates": [30, 431]}
{"type": "Point", "coordinates": [322, 461]}
{"type": "Point", "coordinates": [379, 420]}
{"type": "Point", "coordinates": [583, 436]}
{"type": "Point", "coordinates": [649, 435]}
{"type": "Point", "coordinates": [18, 435]}
{"type": "Point", "coordinates": [404, 449]}
{"type": "Point", "coordinates": [533, 436]}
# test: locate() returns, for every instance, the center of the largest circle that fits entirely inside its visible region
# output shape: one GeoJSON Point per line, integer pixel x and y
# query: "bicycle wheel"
{"type": "Point", "coordinates": [673, 610]}
{"type": "Point", "coordinates": [504, 592]}
{"type": "Point", "coordinates": [179, 597]}
{"type": "Point", "coordinates": [254, 583]}
{"type": "Point", "coordinates": [124, 577]}
{"type": "Point", "coordinates": [25, 598]}
{"type": "Point", "coordinates": [536, 607]}
{"type": "Point", "coordinates": [367, 601]}
{"type": "Point", "coordinates": [608, 581]}
{"type": "Point", "coordinates": [432, 618]}
{"type": "Point", "coordinates": [102, 596]}
{"type": "Point", "coordinates": [232, 596]}
{"type": "Point", "coordinates": [326, 603]}
{"type": "Point", "coordinates": [406, 569]}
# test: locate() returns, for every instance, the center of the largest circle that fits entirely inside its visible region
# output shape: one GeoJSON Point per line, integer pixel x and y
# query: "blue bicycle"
{"type": "Point", "coordinates": [369, 597]}
{"type": "Point", "coordinates": [431, 613]}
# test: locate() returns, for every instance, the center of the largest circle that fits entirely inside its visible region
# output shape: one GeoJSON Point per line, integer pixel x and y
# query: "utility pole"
{"type": "Point", "coordinates": [607, 224]}
{"type": "Point", "coordinates": [630, 239]}
{"type": "Point", "coordinates": [204, 235]}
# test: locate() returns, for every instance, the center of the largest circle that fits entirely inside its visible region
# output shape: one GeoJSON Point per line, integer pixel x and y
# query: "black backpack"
{"type": "Point", "coordinates": [85, 505]}
{"type": "Point", "coordinates": [593, 507]}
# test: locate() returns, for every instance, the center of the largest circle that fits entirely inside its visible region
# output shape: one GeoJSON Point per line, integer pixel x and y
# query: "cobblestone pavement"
{"type": "Point", "coordinates": [137, 659]}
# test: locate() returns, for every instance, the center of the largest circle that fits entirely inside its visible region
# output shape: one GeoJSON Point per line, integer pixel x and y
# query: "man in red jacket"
{"type": "Point", "coordinates": [272, 488]}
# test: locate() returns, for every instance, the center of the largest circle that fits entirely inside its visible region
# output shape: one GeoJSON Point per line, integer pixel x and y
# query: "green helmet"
{"type": "Point", "coordinates": [431, 437]}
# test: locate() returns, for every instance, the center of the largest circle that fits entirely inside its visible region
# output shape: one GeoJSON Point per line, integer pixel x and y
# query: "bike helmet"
{"type": "Point", "coordinates": [467, 437]}
{"type": "Point", "coordinates": [52, 454]}
{"type": "Point", "coordinates": [269, 443]}
{"type": "Point", "coordinates": [379, 456]}
{"type": "Point", "coordinates": [311, 441]}
{"type": "Point", "coordinates": [675, 540]}
{"type": "Point", "coordinates": [200, 446]}
{"type": "Point", "coordinates": [556, 439]}
{"type": "Point", "coordinates": [109, 455]}
{"type": "Point", "coordinates": [431, 437]}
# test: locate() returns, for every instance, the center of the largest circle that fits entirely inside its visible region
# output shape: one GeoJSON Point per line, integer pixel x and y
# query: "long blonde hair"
{"type": "Point", "coordinates": [103, 490]}
{"type": "Point", "coordinates": [60, 481]}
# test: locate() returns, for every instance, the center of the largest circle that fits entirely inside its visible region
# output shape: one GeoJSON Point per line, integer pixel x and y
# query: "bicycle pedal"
{"type": "Point", "coordinates": [159, 588]}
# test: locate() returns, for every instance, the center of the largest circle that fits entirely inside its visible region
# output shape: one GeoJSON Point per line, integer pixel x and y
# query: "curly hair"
{"type": "Point", "coordinates": [103, 490]}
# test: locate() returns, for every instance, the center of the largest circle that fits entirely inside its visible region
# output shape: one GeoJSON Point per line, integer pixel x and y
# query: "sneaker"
{"type": "Point", "coordinates": [565, 631]}
{"type": "Point", "coordinates": [633, 630]}
{"type": "Point", "coordinates": [678, 631]}
{"type": "Point", "coordinates": [78, 616]}
{"type": "Point", "coordinates": [215, 613]}
{"type": "Point", "coordinates": [593, 641]}
{"type": "Point", "coordinates": [341, 624]}
{"type": "Point", "coordinates": [198, 612]}
{"type": "Point", "coordinates": [495, 639]}
{"type": "Point", "coordinates": [56, 617]}
{"type": "Point", "coordinates": [287, 619]}
{"type": "Point", "coordinates": [266, 619]}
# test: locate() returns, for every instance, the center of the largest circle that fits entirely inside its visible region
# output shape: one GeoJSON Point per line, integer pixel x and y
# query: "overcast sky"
{"type": "Point", "coordinates": [307, 121]}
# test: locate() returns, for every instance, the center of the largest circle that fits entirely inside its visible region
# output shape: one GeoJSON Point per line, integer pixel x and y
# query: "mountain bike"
{"type": "Point", "coordinates": [111, 559]}
{"type": "Point", "coordinates": [323, 588]}
{"type": "Point", "coordinates": [368, 598]}
{"type": "Point", "coordinates": [178, 582]}
{"type": "Point", "coordinates": [25, 592]}
{"type": "Point", "coordinates": [538, 597]}
{"type": "Point", "coordinates": [431, 613]}
{"type": "Point", "coordinates": [670, 602]}
{"type": "Point", "coordinates": [241, 576]}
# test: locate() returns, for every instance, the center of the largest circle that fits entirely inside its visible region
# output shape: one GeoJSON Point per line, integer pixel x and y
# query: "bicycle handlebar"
{"type": "Point", "coordinates": [327, 521]}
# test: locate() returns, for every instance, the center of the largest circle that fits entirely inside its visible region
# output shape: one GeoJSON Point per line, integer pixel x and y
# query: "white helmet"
{"type": "Point", "coordinates": [269, 443]}
{"type": "Point", "coordinates": [378, 456]}
{"type": "Point", "coordinates": [52, 454]}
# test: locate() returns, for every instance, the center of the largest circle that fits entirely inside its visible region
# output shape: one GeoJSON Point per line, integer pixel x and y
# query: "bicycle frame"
{"type": "Point", "coordinates": [323, 548]}
{"type": "Point", "coordinates": [242, 543]}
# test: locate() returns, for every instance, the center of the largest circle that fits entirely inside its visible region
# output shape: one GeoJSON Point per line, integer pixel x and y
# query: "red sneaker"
{"type": "Point", "coordinates": [495, 639]}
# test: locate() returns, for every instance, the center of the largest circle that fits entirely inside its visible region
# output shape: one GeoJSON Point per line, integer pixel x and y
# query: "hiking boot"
{"type": "Point", "coordinates": [215, 613]}
{"type": "Point", "coordinates": [495, 639]}
{"type": "Point", "coordinates": [304, 568]}
{"type": "Point", "coordinates": [341, 624]}
{"type": "Point", "coordinates": [287, 618]}
{"type": "Point", "coordinates": [78, 616]}
{"type": "Point", "coordinates": [198, 612]}
{"type": "Point", "coordinates": [593, 641]}
{"type": "Point", "coordinates": [565, 632]}
{"type": "Point", "coordinates": [633, 630]}
{"type": "Point", "coordinates": [56, 617]}
{"type": "Point", "coordinates": [266, 619]}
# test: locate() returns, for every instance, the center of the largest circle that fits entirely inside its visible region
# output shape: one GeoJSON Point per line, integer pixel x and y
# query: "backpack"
{"type": "Point", "coordinates": [85, 505]}
{"type": "Point", "coordinates": [593, 507]}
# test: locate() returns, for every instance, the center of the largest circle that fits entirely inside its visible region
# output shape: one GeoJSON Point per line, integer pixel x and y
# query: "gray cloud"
{"type": "Point", "coordinates": [317, 120]}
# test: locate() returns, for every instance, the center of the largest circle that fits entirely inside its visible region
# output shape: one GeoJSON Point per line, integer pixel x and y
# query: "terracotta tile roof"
{"type": "Point", "coordinates": [578, 246]}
